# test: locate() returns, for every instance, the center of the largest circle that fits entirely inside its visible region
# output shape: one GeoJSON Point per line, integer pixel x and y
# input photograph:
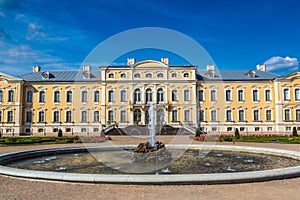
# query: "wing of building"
{"type": "Point", "coordinates": [85, 101]}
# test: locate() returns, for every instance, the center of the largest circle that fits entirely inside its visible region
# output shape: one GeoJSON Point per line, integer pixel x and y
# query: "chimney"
{"type": "Point", "coordinates": [36, 69]}
{"type": "Point", "coordinates": [165, 61]}
{"type": "Point", "coordinates": [261, 67]}
{"type": "Point", "coordinates": [210, 67]}
{"type": "Point", "coordinates": [130, 61]}
{"type": "Point", "coordinates": [87, 68]}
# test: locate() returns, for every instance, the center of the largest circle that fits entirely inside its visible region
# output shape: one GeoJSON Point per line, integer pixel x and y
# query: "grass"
{"type": "Point", "coordinates": [38, 140]}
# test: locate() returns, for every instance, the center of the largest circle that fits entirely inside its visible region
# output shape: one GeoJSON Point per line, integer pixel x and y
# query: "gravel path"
{"type": "Point", "coordinates": [16, 188]}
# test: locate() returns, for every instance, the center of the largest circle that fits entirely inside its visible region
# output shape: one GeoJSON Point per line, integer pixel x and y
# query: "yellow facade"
{"type": "Point", "coordinates": [87, 101]}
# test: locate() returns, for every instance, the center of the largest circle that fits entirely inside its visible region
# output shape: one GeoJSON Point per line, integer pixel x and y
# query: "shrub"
{"type": "Point", "coordinates": [237, 133]}
{"type": "Point", "coordinates": [102, 133]}
{"type": "Point", "coordinates": [295, 133]}
{"type": "Point", "coordinates": [59, 134]}
{"type": "Point", "coordinates": [197, 132]}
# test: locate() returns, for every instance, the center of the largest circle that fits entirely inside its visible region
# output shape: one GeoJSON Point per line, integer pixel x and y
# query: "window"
{"type": "Point", "coordinates": [174, 95]}
{"type": "Point", "coordinates": [187, 115]}
{"type": "Point", "coordinates": [268, 115]}
{"type": "Point", "coordinates": [27, 130]}
{"type": "Point", "coordinates": [160, 75]}
{"type": "Point", "coordinates": [228, 95]}
{"type": "Point", "coordinates": [298, 115]}
{"type": "Point", "coordinates": [242, 128]}
{"type": "Point", "coordinates": [267, 95]}
{"type": "Point", "coordinates": [213, 115]}
{"type": "Point", "coordinates": [286, 94]}
{"type": "Point", "coordinates": [42, 96]}
{"type": "Point", "coordinates": [111, 75]}
{"type": "Point", "coordinates": [95, 130]}
{"type": "Point", "coordinates": [297, 94]}
{"type": "Point", "coordinates": [123, 96]}
{"type": "Point", "coordinates": [255, 115]}
{"type": "Point", "coordinates": [42, 116]}
{"type": "Point", "coordinates": [186, 75]}
{"type": "Point", "coordinates": [174, 115]}
{"type": "Point", "coordinates": [56, 116]}
{"type": "Point", "coordinates": [148, 95]}
{"type": "Point", "coordinates": [56, 96]}
{"type": "Point", "coordinates": [29, 116]}
{"type": "Point", "coordinates": [240, 95]}
{"type": "Point", "coordinates": [256, 129]}
{"type": "Point", "coordinates": [137, 95]}
{"type": "Point", "coordinates": [29, 97]}
{"type": "Point", "coordinates": [186, 95]}
{"type": "Point", "coordinates": [255, 95]}
{"type": "Point", "coordinates": [10, 116]}
{"type": "Point", "coordinates": [228, 115]}
{"type": "Point", "coordinates": [84, 96]}
{"type": "Point", "coordinates": [111, 96]}
{"type": "Point", "coordinates": [287, 115]}
{"type": "Point", "coordinates": [174, 75]}
{"type": "Point", "coordinates": [123, 75]}
{"type": "Point", "coordinates": [84, 116]}
{"type": "Point", "coordinates": [1, 95]}
{"type": "Point", "coordinates": [1, 117]}
{"type": "Point", "coordinates": [68, 130]}
{"type": "Point", "coordinates": [11, 95]}
{"type": "Point", "coordinates": [201, 116]}
{"type": "Point", "coordinates": [229, 128]}
{"type": "Point", "coordinates": [123, 116]}
{"type": "Point", "coordinates": [40, 130]}
{"type": "Point", "coordinates": [137, 75]}
{"type": "Point", "coordinates": [83, 130]}
{"type": "Point", "coordinates": [148, 75]}
{"type": "Point", "coordinates": [96, 116]}
{"type": "Point", "coordinates": [241, 115]}
{"type": "Point", "coordinates": [201, 95]}
{"type": "Point", "coordinates": [269, 129]}
{"type": "Point", "coordinates": [160, 95]}
{"type": "Point", "coordinates": [69, 96]}
{"type": "Point", "coordinates": [213, 96]}
{"type": "Point", "coordinates": [68, 116]}
{"type": "Point", "coordinates": [214, 129]}
{"type": "Point", "coordinates": [96, 96]}
{"type": "Point", "coordinates": [110, 116]}
{"type": "Point", "coordinates": [288, 128]}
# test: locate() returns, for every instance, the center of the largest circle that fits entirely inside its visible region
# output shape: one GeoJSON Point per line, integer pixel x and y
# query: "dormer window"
{"type": "Point", "coordinates": [211, 73]}
{"type": "Point", "coordinates": [186, 75]}
{"type": "Point", "coordinates": [137, 75]}
{"type": "Point", "coordinates": [46, 75]}
{"type": "Point", "coordinates": [148, 75]}
{"type": "Point", "coordinates": [111, 75]}
{"type": "Point", "coordinates": [160, 75]}
{"type": "Point", "coordinates": [251, 74]}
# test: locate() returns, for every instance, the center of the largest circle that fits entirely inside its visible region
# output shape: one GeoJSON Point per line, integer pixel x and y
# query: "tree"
{"type": "Point", "coordinates": [295, 133]}
{"type": "Point", "coordinates": [197, 132]}
{"type": "Point", "coordinates": [237, 133]}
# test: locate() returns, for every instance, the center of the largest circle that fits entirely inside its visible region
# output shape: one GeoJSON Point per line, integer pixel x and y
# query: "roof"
{"type": "Point", "coordinates": [236, 75]}
{"type": "Point", "coordinates": [62, 76]}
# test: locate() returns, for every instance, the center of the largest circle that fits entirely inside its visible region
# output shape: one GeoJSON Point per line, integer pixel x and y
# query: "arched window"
{"type": "Point", "coordinates": [110, 116]}
{"type": "Point", "coordinates": [111, 96]}
{"type": "Point", "coordinates": [148, 75]}
{"type": "Point", "coordinates": [56, 96]}
{"type": "Point", "coordinates": [137, 115]}
{"type": "Point", "coordinates": [174, 115]}
{"type": "Point", "coordinates": [174, 75]}
{"type": "Point", "coordinates": [11, 96]}
{"type": "Point", "coordinates": [1, 95]}
{"type": "Point", "coordinates": [123, 75]}
{"type": "Point", "coordinates": [42, 96]}
{"type": "Point", "coordinates": [96, 96]}
{"type": "Point", "coordinates": [69, 96]}
{"type": "Point", "coordinates": [148, 95]}
{"type": "Point", "coordinates": [160, 95]}
{"type": "Point", "coordinates": [137, 95]}
{"type": "Point", "coordinates": [123, 96]}
{"type": "Point", "coordinates": [160, 75]}
{"type": "Point", "coordinates": [84, 96]}
{"type": "Point", "coordinates": [29, 96]}
{"type": "Point", "coordinates": [111, 75]}
{"type": "Point", "coordinates": [186, 75]}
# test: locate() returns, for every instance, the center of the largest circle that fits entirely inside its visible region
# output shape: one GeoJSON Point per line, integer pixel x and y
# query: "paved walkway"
{"type": "Point", "coordinates": [16, 188]}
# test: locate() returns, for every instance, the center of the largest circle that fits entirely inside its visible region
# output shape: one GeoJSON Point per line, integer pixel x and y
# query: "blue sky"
{"type": "Point", "coordinates": [239, 34]}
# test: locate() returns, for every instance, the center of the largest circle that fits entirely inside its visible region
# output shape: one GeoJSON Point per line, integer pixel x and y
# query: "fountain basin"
{"type": "Point", "coordinates": [215, 178]}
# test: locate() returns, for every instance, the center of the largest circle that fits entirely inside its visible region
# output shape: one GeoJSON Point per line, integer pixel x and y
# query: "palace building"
{"type": "Point", "coordinates": [85, 101]}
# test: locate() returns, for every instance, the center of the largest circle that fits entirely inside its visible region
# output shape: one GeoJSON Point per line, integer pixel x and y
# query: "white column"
{"type": "Point", "coordinates": [103, 104]}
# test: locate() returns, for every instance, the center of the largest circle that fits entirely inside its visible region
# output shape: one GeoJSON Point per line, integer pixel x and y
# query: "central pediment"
{"type": "Point", "coordinates": [149, 64]}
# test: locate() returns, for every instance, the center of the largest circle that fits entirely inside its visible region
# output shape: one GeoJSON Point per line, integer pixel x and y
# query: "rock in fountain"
{"type": "Point", "coordinates": [152, 151]}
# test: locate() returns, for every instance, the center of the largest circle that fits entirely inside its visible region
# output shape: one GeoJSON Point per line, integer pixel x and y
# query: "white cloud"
{"type": "Point", "coordinates": [277, 63]}
{"type": "Point", "coordinates": [19, 58]}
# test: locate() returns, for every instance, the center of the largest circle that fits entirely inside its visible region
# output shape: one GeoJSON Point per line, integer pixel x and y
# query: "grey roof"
{"type": "Point", "coordinates": [236, 75]}
{"type": "Point", "coordinates": [62, 76]}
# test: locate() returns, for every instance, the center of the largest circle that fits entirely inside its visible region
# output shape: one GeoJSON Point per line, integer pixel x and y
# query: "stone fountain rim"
{"type": "Point", "coordinates": [216, 178]}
